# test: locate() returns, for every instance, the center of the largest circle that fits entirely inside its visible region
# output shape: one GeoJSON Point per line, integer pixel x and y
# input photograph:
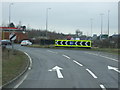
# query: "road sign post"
{"type": "Point", "coordinates": [12, 37]}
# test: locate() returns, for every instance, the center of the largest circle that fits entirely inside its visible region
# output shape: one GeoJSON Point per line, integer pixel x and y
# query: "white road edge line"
{"type": "Point", "coordinates": [103, 56]}
{"type": "Point", "coordinates": [21, 81]}
{"type": "Point", "coordinates": [77, 63]}
{"type": "Point", "coordinates": [30, 67]}
{"type": "Point", "coordinates": [91, 73]}
{"type": "Point", "coordinates": [102, 86]}
{"type": "Point", "coordinates": [66, 56]}
{"type": "Point", "coordinates": [52, 51]}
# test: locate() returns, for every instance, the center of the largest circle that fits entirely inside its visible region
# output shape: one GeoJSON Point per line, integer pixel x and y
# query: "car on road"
{"type": "Point", "coordinates": [25, 43]}
{"type": "Point", "coordinates": [6, 42]}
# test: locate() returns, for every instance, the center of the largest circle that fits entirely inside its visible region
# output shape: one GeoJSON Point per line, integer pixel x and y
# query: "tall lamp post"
{"type": "Point", "coordinates": [10, 12]}
{"type": "Point", "coordinates": [108, 22]}
{"type": "Point", "coordinates": [47, 20]}
{"type": "Point", "coordinates": [10, 15]}
{"type": "Point", "coordinates": [91, 20]}
{"type": "Point", "coordinates": [101, 22]}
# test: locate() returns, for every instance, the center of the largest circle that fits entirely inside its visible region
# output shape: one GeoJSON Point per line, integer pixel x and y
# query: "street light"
{"type": "Point", "coordinates": [91, 20]}
{"type": "Point", "coordinates": [47, 20]}
{"type": "Point", "coordinates": [101, 22]}
{"type": "Point", "coordinates": [108, 21]}
{"type": "Point", "coordinates": [10, 12]}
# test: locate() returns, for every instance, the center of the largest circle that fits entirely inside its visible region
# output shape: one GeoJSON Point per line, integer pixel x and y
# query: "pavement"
{"type": "Point", "coordinates": [58, 68]}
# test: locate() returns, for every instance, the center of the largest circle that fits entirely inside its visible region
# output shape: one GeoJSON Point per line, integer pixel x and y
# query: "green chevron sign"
{"type": "Point", "coordinates": [73, 43]}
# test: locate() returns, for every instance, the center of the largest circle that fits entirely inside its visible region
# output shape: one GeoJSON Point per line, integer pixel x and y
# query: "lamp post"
{"type": "Point", "coordinates": [10, 15]}
{"type": "Point", "coordinates": [10, 12]}
{"type": "Point", "coordinates": [91, 20]}
{"type": "Point", "coordinates": [101, 22]}
{"type": "Point", "coordinates": [108, 21]}
{"type": "Point", "coordinates": [47, 20]}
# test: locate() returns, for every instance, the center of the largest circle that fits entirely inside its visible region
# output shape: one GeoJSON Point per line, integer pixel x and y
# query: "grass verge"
{"type": "Point", "coordinates": [12, 64]}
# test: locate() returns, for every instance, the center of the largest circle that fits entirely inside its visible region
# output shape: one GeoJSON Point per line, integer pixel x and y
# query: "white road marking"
{"type": "Point", "coordinates": [66, 56]}
{"type": "Point", "coordinates": [30, 67]}
{"type": "Point", "coordinates": [114, 68]}
{"type": "Point", "coordinates": [77, 63]}
{"type": "Point", "coordinates": [57, 69]}
{"type": "Point", "coordinates": [21, 81]}
{"type": "Point", "coordinates": [52, 51]}
{"type": "Point", "coordinates": [91, 73]}
{"type": "Point", "coordinates": [103, 56]}
{"type": "Point", "coordinates": [102, 86]}
{"type": "Point", "coordinates": [109, 58]}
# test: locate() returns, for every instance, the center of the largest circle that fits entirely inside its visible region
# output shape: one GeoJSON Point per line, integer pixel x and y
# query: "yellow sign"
{"type": "Point", "coordinates": [73, 43]}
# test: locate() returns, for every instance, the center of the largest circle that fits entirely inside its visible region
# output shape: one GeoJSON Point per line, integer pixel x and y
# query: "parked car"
{"type": "Point", "coordinates": [6, 42]}
{"type": "Point", "coordinates": [25, 43]}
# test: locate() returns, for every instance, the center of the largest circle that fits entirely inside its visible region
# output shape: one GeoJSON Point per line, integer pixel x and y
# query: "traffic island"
{"type": "Point", "coordinates": [13, 64]}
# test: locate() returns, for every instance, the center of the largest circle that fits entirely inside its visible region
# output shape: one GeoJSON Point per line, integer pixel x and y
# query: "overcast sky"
{"type": "Point", "coordinates": [63, 17]}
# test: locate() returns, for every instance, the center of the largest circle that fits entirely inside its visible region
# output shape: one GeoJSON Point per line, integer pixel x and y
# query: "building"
{"type": "Point", "coordinates": [21, 34]}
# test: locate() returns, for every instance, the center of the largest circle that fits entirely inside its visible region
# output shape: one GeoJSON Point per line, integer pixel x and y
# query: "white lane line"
{"type": "Point", "coordinates": [77, 63]}
{"type": "Point", "coordinates": [66, 56]}
{"type": "Point", "coordinates": [30, 67]}
{"type": "Point", "coordinates": [52, 51]}
{"type": "Point", "coordinates": [103, 56]}
{"type": "Point", "coordinates": [103, 87]}
{"type": "Point", "coordinates": [109, 58]}
{"type": "Point", "coordinates": [21, 81]}
{"type": "Point", "coordinates": [91, 73]}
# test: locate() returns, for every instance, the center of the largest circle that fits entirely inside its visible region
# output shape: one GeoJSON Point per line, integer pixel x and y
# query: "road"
{"type": "Point", "coordinates": [56, 68]}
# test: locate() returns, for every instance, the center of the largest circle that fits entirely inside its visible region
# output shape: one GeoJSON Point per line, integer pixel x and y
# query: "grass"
{"type": "Point", "coordinates": [109, 50]}
{"type": "Point", "coordinates": [12, 65]}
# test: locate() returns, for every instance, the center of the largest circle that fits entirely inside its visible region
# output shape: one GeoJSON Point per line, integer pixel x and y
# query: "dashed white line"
{"type": "Point", "coordinates": [52, 51]}
{"type": "Point", "coordinates": [103, 56]}
{"type": "Point", "coordinates": [77, 63]}
{"type": "Point", "coordinates": [103, 87]}
{"type": "Point", "coordinates": [91, 73]}
{"type": "Point", "coordinates": [66, 56]}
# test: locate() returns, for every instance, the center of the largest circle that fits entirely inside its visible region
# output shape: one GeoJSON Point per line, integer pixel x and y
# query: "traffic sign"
{"type": "Point", "coordinates": [73, 43]}
{"type": "Point", "coordinates": [12, 36]}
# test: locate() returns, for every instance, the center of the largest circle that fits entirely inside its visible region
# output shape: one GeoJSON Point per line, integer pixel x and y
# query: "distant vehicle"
{"type": "Point", "coordinates": [25, 43]}
{"type": "Point", "coordinates": [6, 42]}
{"type": "Point", "coordinates": [103, 37]}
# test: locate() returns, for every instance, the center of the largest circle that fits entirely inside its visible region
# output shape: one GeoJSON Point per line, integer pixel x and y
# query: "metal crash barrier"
{"type": "Point", "coordinates": [73, 43]}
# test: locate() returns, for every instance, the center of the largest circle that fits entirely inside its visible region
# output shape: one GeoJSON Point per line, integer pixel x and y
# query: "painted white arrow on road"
{"type": "Point", "coordinates": [57, 69]}
{"type": "Point", "coordinates": [113, 68]}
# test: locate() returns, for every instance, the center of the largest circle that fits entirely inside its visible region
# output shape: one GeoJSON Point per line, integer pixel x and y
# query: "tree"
{"type": "Point", "coordinates": [11, 25]}
{"type": "Point", "coordinates": [23, 28]}
{"type": "Point", "coordinates": [78, 32]}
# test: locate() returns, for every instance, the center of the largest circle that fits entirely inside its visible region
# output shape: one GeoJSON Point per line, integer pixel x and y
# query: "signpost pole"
{"type": "Point", "coordinates": [12, 37]}
{"type": "Point", "coordinates": [13, 46]}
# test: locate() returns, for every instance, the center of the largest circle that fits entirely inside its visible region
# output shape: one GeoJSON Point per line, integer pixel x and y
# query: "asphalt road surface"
{"type": "Point", "coordinates": [56, 68]}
